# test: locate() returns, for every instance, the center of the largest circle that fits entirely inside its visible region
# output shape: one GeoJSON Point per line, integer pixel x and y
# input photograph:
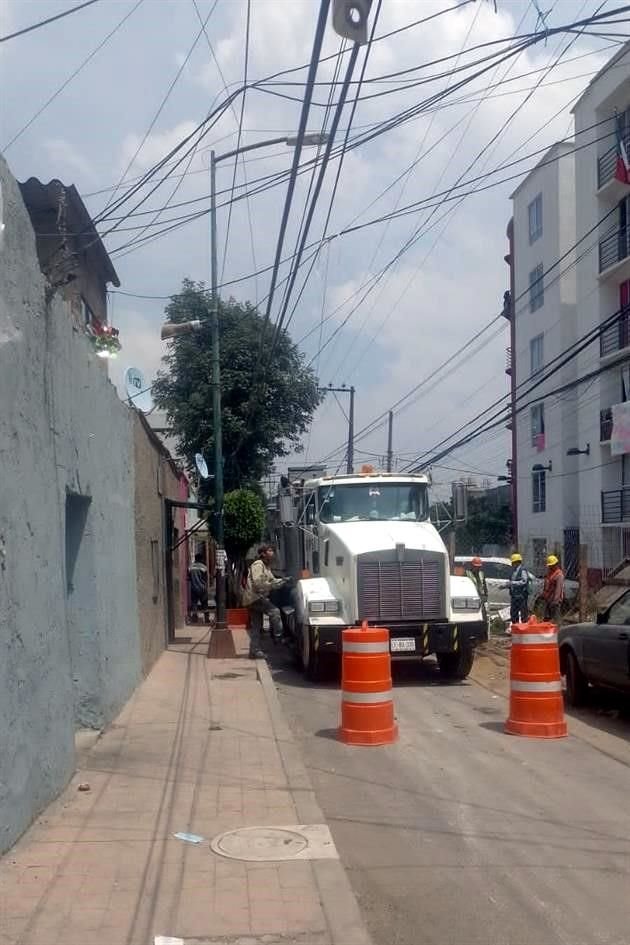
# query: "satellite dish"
{"type": "Point", "coordinates": [202, 467]}
{"type": "Point", "coordinates": [138, 392]}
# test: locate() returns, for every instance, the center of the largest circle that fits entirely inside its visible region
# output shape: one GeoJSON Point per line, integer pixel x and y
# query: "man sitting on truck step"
{"type": "Point", "coordinates": [260, 583]}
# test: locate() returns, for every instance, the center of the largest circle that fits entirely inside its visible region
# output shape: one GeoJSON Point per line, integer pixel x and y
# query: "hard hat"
{"type": "Point", "coordinates": [551, 561]}
{"type": "Point", "coordinates": [516, 558]}
{"type": "Point", "coordinates": [477, 562]}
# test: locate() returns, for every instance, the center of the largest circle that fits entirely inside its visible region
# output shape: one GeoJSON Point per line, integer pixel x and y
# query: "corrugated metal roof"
{"type": "Point", "coordinates": [42, 198]}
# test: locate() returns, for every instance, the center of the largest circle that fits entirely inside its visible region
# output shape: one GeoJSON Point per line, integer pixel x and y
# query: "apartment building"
{"type": "Point", "coordinates": [603, 299]}
{"type": "Point", "coordinates": [570, 254]}
{"type": "Point", "coordinates": [543, 309]}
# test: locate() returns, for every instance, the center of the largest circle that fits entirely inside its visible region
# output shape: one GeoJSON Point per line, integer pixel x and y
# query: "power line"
{"type": "Point", "coordinates": [72, 76]}
{"type": "Point", "coordinates": [50, 19]}
{"type": "Point", "coordinates": [371, 427]}
{"type": "Point", "coordinates": [308, 94]}
{"type": "Point", "coordinates": [159, 111]}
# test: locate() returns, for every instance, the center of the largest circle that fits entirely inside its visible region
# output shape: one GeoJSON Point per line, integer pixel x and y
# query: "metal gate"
{"type": "Point", "coordinates": [572, 553]}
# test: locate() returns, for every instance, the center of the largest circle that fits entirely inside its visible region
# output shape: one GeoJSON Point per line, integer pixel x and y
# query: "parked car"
{"type": "Point", "coordinates": [598, 654]}
{"type": "Point", "coordinates": [498, 571]}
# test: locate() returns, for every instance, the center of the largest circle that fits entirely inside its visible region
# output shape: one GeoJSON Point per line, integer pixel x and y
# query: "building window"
{"type": "Point", "coordinates": [536, 288]}
{"type": "Point", "coordinates": [537, 415]}
{"type": "Point", "coordinates": [625, 382]}
{"type": "Point", "coordinates": [536, 354]}
{"type": "Point", "coordinates": [539, 490]}
{"type": "Point", "coordinates": [535, 213]}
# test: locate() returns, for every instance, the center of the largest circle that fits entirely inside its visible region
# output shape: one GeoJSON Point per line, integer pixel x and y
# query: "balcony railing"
{"type": "Point", "coordinates": [508, 361]}
{"type": "Point", "coordinates": [605, 425]}
{"type": "Point", "coordinates": [614, 247]}
{"type": "Point", "coordinates": [607, 163]}
{"type": "Point", "coordinates": [617, 336]}
{"type": "Point", "coordinates": [616, 506]}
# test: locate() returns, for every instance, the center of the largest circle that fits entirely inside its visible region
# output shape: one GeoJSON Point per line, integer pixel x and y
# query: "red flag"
{"type": "Point", "coordinates": [622, 170]}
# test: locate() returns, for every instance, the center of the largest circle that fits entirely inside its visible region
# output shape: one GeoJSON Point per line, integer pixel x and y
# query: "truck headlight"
{"type": "Point", "coordinates": [323, 607]}
{"type": "Point", "coordinates": [466, 603]}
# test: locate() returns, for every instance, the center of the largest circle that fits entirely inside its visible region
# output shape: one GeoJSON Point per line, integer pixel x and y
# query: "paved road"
{"type": "Point", "coordinates": [461, 835]}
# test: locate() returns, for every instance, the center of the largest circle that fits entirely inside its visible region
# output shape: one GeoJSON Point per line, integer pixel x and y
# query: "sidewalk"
{"type": "Point", "coordinates": [201, 748]}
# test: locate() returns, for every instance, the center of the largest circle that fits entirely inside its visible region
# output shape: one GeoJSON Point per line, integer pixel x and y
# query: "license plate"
{"type": "Point", "coordinates": [402, 645]}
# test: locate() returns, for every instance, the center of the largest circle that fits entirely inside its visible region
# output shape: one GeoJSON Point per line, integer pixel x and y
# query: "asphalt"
{"type": "Point", "coordinates": [462, 835]}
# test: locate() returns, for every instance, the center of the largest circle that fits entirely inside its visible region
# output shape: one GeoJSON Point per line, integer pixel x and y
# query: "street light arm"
{"type": "Point", "coordinates": [310, 140]}
{"type": "Point", "coordinates": [250, 147]}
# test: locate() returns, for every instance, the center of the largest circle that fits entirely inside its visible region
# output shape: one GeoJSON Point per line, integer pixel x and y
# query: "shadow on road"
{"type": "Point", "coordinates": [605, 711]}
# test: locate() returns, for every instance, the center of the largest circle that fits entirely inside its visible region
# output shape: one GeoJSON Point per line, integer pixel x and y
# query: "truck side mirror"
{"type": "Point", "coordinates": [316, 562]}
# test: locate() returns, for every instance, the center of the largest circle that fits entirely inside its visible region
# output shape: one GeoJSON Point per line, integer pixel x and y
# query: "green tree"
{"type": "Point", "coordinates": [244, 521]}
{"type": "Point", "coordinates": [268, 396]}
{"type": "Point", "coordinates": [489, 523]}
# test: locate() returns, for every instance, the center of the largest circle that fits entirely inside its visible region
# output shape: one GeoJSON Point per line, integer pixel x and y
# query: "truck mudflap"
{"type": "Point", "coordinates": [408, 642]}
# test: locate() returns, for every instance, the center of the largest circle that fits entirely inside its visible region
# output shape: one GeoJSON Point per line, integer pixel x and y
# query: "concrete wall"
{"type": "Point", "coordinates": [156, 479]}
{"type": "Point", "coordinates": [68, 606]}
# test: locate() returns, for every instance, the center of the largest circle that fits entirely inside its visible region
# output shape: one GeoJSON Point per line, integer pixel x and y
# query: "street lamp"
{"type": "Point", "coordinates": [314, 139]}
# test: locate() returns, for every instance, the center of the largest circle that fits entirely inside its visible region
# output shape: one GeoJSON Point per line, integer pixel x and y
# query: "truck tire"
{"type": "Point", "coordinates": [577, 685]}
{"type": "Point", "coordinates": [309, 657]}
{"type": "Point", "coordinates": [457, 665]}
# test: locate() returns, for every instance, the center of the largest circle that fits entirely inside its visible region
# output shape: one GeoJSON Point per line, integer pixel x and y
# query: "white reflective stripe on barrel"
{"type": "Point", "coordinates": [367, 698]}
{"type": "Point", "coordinates": [517, 686]}
{"type": "Point", "coordinates": [381, 647]}
{"type": "Point", "coordinates": [549, 636]}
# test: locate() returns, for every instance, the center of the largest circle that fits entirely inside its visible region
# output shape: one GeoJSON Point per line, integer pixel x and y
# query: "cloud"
{"type": "Point", "coordinates": [157, 145]}
{"type": "Point", "coordinates": [442, 290]}
{"type": "Point", "coordinates": [66, 158]}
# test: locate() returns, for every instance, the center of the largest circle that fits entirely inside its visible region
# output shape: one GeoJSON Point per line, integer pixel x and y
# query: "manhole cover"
{"type": "Point", "coordinates": [260, 843]}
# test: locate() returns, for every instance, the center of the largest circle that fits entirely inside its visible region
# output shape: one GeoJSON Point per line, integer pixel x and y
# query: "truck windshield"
{"type": "Point", "coordinates": [381, 502]}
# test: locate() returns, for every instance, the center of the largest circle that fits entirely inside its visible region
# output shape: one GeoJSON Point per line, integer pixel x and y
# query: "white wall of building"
{"type": "Point", "coordinates": [552, 180]}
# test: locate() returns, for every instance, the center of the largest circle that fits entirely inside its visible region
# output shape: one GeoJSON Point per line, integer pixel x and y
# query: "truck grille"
{"type": "Point", "coordinates": [401, 590]}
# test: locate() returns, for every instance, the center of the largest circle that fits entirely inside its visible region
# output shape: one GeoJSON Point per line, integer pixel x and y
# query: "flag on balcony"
{"type": "Point", "coordinates": [622, 170]}
{"type": "Point", "coordinates": [620, 436]}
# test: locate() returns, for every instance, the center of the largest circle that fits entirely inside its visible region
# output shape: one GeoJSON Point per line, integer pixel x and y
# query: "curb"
{"type": "Point", "coordinates": [338, 900]}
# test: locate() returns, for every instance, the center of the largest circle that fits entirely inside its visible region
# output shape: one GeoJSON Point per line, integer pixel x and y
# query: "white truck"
{"type": "Point", "coordinates": [363, 548]}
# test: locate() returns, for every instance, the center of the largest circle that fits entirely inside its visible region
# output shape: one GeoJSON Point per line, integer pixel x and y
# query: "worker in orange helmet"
{"type": "Point", "coordinates": [553, 589]}
{"type": "Point", "coordinates": [476, 575]}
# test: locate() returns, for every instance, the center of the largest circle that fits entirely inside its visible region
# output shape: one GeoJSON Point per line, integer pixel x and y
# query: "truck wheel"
{"type": "Point", "coordinates": [456, 666]}
{"type": "Point", "coordinates": [577, 686]}
{"type": "Point", "coordinates": [309, 656]}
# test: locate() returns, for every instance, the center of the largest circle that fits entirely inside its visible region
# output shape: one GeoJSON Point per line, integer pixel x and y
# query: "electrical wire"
{"type": "Point", "coordinates": [72, 76]}
{"type": "Point", "coordinates": [157, 114]}
{"type": "Point", "coordinates": [308, 94]}
{"type": "Point", "coordinates": [50, 19]}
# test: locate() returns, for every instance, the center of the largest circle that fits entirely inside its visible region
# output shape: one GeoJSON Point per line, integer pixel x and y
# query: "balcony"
{"type": "Point", "coordinates": [607, 183]}
{"type": "Point", "coordinates": [614, 253]}
{"type": "Point", "coordinates": [508, 361]}
{"type": "Point", "coordinates": [605, 425]}
{"type": "Point", "coordinates": [617, 336]}
{"type": "Point", "coordinates": [616, 506]}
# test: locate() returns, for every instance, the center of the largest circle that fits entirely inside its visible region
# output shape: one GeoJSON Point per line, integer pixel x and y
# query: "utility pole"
{"type": "Point", "coordinates": [173, 330]}
{"type": "Point", "coordinates": [350, 466]}
{"type": "Point", "coordinates": [350, 418]}
{"type": "Point", "coordinates": [216, 404]}
{"type": "Point", "coordinates": [390, 431]}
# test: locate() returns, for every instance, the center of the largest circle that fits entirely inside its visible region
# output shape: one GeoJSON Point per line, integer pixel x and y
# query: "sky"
{"type": "Point", "coordinates": [111, 121]}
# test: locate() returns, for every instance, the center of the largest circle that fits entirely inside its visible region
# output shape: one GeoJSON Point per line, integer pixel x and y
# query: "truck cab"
{"type": "Point", "coordinates": [363, 548]}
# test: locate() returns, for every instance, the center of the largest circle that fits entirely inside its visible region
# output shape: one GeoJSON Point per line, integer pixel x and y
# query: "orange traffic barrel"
{"type": "Point", "coordinates": [367, 707]}
{"type": "Point", "coordinates": [536, 705]}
